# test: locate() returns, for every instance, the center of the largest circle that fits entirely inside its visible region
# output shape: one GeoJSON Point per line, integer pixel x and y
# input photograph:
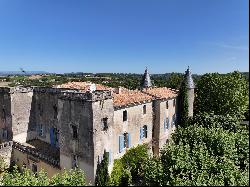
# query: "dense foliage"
{"type": "Point", "coordinates": [183, 104]}
{"type": "Point", "coordinates": [129, 168]}
{"type": "Point", "coordinates": [102, 174]}
{"type": "Point", "coordinates": [222, 94]}
{"type": "Point", "coordinates": [28, 178]}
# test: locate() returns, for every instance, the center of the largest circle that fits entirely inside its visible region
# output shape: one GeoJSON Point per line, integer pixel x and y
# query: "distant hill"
{"type": "Point", "coordinates": [6, 73]}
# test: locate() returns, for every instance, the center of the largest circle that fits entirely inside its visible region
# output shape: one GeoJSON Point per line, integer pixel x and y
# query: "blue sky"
{"type": "Point", "coordinates": [124, 35]}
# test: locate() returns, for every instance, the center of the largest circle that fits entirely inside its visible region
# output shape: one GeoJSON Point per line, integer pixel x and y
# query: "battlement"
{"type": "Point", "coordinates": [36, 153]}
{"type": "Point", "coordinates": [17, 89]}
{"type": "Point", "coordinates": [6, 145]}
{"type": "Point", "coordinates": [53, 90]}
{"type": "Point", "coordinates": [88, 96]}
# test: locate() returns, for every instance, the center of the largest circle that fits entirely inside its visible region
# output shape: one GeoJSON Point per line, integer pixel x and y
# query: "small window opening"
{"type": "Point", "coordinates": [105, 123]}
{"type": "Point", "coordinates": [174, 102]}
{"type": "Point", "coordinates": [144, 109]}
{"type": "Point", "coordinates": [145, 131]}
{"type": "Point", "coordinates": [55, 111]}
{"type": "Point", "coordinates": [126, 145]}
{"type": "Point", "coordinates": [75, 161]}
{"type": "Point", "coordinates": [125, 115]}
{"type": "Point", "coordinates": [75, 134]}
{"type": "Point", "coordinates": [167, 105]}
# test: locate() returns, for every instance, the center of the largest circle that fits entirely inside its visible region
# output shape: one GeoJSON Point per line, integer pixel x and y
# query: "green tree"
{"type": "Point", "coordinates": [183, 104]}
{"type": "Point", "coordinates": [102, 174]}
{"type": "Point", "coordinates": [222, 94]}
{"type": "Point", "coordinates": [28, 178]}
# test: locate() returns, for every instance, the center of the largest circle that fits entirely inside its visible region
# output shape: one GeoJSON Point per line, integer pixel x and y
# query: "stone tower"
{"type": "Point", "coordinates": [146, 81]}
{"type": "Point", "coordinates": [190, 92]}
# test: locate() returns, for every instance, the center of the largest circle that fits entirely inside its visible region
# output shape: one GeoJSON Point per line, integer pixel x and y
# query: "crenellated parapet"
{"type": "Point", "coordinates": [17, 89]}
{"type": "Point", "coordinates": [87, 96]}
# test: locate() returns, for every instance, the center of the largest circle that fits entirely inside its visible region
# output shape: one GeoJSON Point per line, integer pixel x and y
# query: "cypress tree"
{"type": "Point", "coordinates": [102, 174]}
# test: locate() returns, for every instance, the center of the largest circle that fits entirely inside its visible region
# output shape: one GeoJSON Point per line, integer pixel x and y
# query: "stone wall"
{"type": "Point", "coordinates": [190, 94]}
{"type": "Point", "coordinates": [6, 152]}
{"type": "Point", "coordinates": [5, 115]}
{"type": "Point", "coordinates": [161, 112]}
{"type": "Point", "coordinates": [44, 113]}
{"type": "Point", "coordinates": [102, 136]}
{"type": "Point", "coordinates": [73, 111]}
{"type": "Point", "coordinates": [136, 120]}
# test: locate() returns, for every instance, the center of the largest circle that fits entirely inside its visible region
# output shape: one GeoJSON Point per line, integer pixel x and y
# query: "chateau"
{"type": "Point", "coordinates": [72, 124]}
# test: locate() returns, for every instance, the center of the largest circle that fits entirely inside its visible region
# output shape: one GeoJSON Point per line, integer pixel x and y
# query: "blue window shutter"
{"type": "Point", "coordinates": [129, 140]}
{"type": "Point", "coordinates": [168, 123]}
{"type": "Point", "coordinates": [52, 136]}
{"type": "Point", "coordinates": [121, 143]}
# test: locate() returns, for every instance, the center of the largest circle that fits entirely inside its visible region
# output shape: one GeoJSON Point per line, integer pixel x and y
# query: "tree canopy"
{"type": "Point", "coordinates": [222, 94]}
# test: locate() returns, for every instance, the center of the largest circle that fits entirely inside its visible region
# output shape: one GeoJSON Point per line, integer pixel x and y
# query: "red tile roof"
{"type": "Point", "coordinates": [130, 97]}
{"type": "Point", "coordinates": [161, 93]}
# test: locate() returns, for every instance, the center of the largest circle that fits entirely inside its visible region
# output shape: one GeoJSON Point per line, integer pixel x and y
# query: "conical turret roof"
{"type": "Point", "coordinates": [189, 79]}
{"type": "Point", "coordinates": [146, 81]}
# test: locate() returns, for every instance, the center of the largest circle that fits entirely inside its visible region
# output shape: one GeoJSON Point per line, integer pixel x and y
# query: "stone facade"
{"type": "Point", "coordinates": [81, 125]}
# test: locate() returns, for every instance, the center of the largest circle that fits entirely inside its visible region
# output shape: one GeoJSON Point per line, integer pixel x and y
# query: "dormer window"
{"type": "Point", "coordinates": [144, 109]}
{"type": "Point", "coordinates": [125, 115]}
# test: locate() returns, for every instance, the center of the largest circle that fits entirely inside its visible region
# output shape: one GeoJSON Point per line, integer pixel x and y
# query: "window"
{"type": "Point", "coordinates": [125, 115]}
{"type": "Point", "coordinates": [173, 120]}
{"type": "Point", "coordinates": [166, 104]}
{"type": "Point", "coordinates": [5, 134]}
{"type": "Point", "coordinates": [145, 131]}
{"type": "Point", "coordinates": [55, 111]}
{"type": "Point", "coordinates": [75, 134]}
{"type": "Point", "coordinates": [4, 114]}
{"type": "Point", "coordinates": [105, 123]}
{"type": "Point", "coordinates": [124, 141]}
{"type": "Point", "coordinates": [166, 124]}
{"type": "Point", "coordinates": [41, 130]}
{"type": "Point", "coordinates": [174, 102]}
{"type": "Point", "coordinates": [144, 109]}
{"type": "Point", "coordinates": [34, 168]}
{"type": "Point", "coordinates": [75, 161]}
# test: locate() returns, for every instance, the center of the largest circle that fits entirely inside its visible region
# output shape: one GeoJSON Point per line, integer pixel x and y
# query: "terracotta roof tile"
{"type": "Point", "coordinates": [127, 97]}
{"type": "Point", "coordinates": [161, 93]}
